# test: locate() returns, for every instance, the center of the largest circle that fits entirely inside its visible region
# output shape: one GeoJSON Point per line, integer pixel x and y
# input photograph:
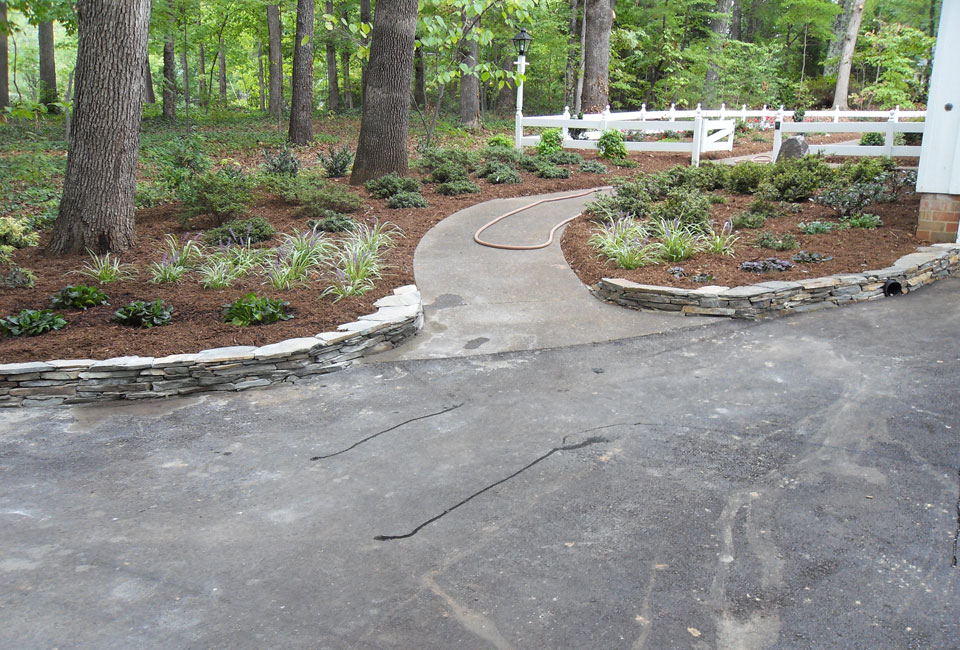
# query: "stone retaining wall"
{"type": "Point", "coordinates": [776, 298]}
{"type": "Point", "coordinates": [78, 381]}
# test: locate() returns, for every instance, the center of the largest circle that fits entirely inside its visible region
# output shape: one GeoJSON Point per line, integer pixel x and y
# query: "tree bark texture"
{"type": "Point", "coordinates": [382, 147]}
{"type": "Point", "coordinates": [345, 61]}
{"type": "Point", "coordinates": [365, 17]}
{"type": "Point", "coordinates": [275, 55]}
{"type": "Point", "coordinates": [169, 79]}
{"type": "Point", "coordinates": [263, 105]}
{"type": "Point", "coordinates": [222, 72]}
{"type": "Point", "coordinates": [301, 103]}
{"type": "Point", "coordinates": [720, 26]}
{"type": "Point", "coordinates": [419, 78]}
{"type": "Point", "coordinates": [97, 207]}
{"type": "Point", "coordinates": [470, 83]}
{"type": "Point", "coordinates": [149, 97]}
{"type": "Point", "coordinates": [846, 56]}
{"type": "Point", "coordinates": [185, 71]}
{"type": "Point", "coordinates": [835, 47]}
{"type": "Point", "coordinates": [333, 88]}
{"type": "Point", "coordinates": [507, 96]}
{"type": "Point", "coordinates": [572, 70]}
{"type": "Point", "coordinates": [4, 62]}
{"type": "Point", "coordinates": [48, 65]}
{"type": "Point", "coordinates": [596, 55]}
{"type": "Point", "coordinates": [202, 81]}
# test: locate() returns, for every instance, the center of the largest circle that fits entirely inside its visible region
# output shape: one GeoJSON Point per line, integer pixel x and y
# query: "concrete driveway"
{"type": "Point", "coordinates": [789, 484]}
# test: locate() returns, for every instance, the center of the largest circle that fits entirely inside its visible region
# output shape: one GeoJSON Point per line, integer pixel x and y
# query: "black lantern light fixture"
{"type": "Point", "coordinates": [522, 41]}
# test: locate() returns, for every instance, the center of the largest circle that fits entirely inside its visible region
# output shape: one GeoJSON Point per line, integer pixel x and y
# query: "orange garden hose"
{"type": "Point", "coordinates": [509, 247]}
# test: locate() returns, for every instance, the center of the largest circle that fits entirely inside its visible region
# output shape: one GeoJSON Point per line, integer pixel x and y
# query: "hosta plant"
{"type": "Point", "coordinates": [253, 310]}
{"type": "Point", "coordinates": [79, 296]}
{"type": "Point", "coordinates": [144, 314]}
{"type": "Point", "coordinates": [32, 322]}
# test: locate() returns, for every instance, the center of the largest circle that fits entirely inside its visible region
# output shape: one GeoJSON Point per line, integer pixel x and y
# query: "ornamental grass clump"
{"type": "Point", "coordinates": [105, 269]}
{"type": "Point", "coordinates": [627, 243]}
{"type": "Point", "coordinates": [720, 242]}
{"type": "Point", "coordinates": [678, 242]}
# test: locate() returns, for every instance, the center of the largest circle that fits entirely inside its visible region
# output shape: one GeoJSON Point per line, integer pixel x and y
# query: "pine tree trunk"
{"type": "Point", "coordinates": [419, 78]}
{"type": "Point", "coordinates": [260, 75]}
{"type": "Point", "coordinates": [573, 68]}
{"type": "Point", "coordinates": [4, 62]}
{"type": "Point", "coordinates": [596, 57]}
{"type": "Point", "coordinates": [846, 56]}
{"type": "Point", "coordinates": [382, 147]}
{"type": "Point", "coordinates": [169, 79]}
{"type": "Point", "coordinates": [97, 206]}
{"type": "Point", "coordinates": [151, 98]}
{"type": "Point", "coordinates": [333, 89]}
{"type": "Point", "coordinates": [222, 71]}
{"type": "Point", "coordinates": [275, 55]}
{"type": "Point", "coordinates": [470, 84]}
{"type": "Point", "coordinates": [301, 103]}
{"type": "Point", "coordinates": [48, 65]}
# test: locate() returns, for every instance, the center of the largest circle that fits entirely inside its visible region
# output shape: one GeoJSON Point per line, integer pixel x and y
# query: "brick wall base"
{"type": "Point", "coordinates": [939, 216]}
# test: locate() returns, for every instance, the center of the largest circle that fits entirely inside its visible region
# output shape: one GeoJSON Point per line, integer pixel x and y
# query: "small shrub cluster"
{"type": "Point", "coordinates": [767, 265]}
{"type": "Point", "coordinates": [18, 277]}
{"type": "Point", "coordinates": [223, 195]}
{"type": "Point", "coordinates": [144, 314]}
{"type": "Point", "coordinates": [433, 158]}
{"type": "Point", "coordinates": [407, 200]}
{"type": "Point", "coordinates": [611, 146]}
{"type": "Point", "coordinates": [816, 227]}
{"type": "Point", "coordinates": [745, 177]}
{"type": "Point", "coordinates": [32, 322]}
{"type": "Point", "coordinates": [313, 194]}
{"type": "Point", "coordinates": [850, 200]}
{"type": "Point", "coordinates": [284, 162]}
{"type": "Point", "coordinates": [454, 188]}
{"type": "Point", "coordinates": [507, 155]}
{"type": "Point", "coordinates": [868, 221]}
{"type": "Point", "coordinates": [337, 163]}
{"type": "Point", "coordinates": [253, 310]}
{"type": "Point", "coordinates": [80, 296]}
{"type": "Point", "coordinates": [500, 140]}
{"type": "Point", "coordinates": [708, 176]}
{"type": "Point", "coordinates": [15, 233]}
{"type": "Point", "coordinates": [564, 158]}
{"type": "Point", "coordinates": [795, 179]}
{"type": "Point", "coordinates": [253, 230]}
{"type": "Point", "coordinates": [803, 257]}
{"type": "Point", "coordinates": [687, 206]}
{"type": "Point", "coordinates": [749, 220]}
{"type": "Point", "coordinates": [782, 243]}
{"type": "Point", "coordinates": [332, 222]}
{"type": "Point", "coordinates": [391, 184]}
{"type": "Point", "coordinates": [593, 167]}
{"type": "Point", "coordinates": [866, 170]}
{"type": "Point", "coordinates": [871, 139]}
{"type": "Point", "coordinates": [551, 141]}
{"type": "Point", "coordinates": [447, 172]}
{"type": "Point", "coordinates": [500, 174]}
{"type": "Point", "coordinates": [553, 171]}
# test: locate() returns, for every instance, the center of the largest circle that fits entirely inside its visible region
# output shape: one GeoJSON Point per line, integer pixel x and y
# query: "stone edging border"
{"type": "Point", "coordinates": [777, 298]}
{"type": "Point", "coordinates": [77, 381]}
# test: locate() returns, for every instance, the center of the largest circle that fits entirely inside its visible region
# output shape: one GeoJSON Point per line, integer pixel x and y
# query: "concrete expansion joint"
{"type": "Point", "coordinates": [956, 535]}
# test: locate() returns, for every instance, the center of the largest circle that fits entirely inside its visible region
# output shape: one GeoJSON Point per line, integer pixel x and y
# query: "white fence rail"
{"type": "Point", "coordinates": [889, 129]}
{"type": "Point", "coordinates": [713, 129]}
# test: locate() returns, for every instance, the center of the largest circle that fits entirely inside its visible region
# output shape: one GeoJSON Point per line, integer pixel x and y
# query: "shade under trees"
{"type": "Point", "coordinates": [301, 103]}
{"type": "Point", "coordinates": [97, 207]}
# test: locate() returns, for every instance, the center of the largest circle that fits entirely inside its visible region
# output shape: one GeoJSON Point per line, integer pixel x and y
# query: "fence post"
{"type": "Point", "coordinates": [604, 116]}
{"type": "Point", "coordinates": [743, 113]}
{"type": "Point", "coordinates": [565, 132]}
{"type": "Point", "coordinates": [643, 112]}
{"type": "Point", "coordinates": [518, 130]}
{"type": "Point", "coordinates": [836, 115]}
{"type": "Point", "coordinates": [763, 118]}
{"type": "Point", "coordinates": [697, 141]}
{"type": "Point", "coordinates": [888, 136]}
{"type": "Point", "coordinates": [673, 112]}
{"type": "Point", "coordinates": [777, 140]}
{"type": "Point", "coordinates": [723, 110]}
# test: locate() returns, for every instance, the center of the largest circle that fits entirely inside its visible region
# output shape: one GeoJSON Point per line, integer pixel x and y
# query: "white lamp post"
{"type": "Point", "coordinates": [521, 42]}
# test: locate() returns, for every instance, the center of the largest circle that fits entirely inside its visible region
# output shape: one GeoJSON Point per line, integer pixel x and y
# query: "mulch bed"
{"type": "Point", "coordinates": [197, 323]}
{"type": "Point", "coordinates": [853, 250]}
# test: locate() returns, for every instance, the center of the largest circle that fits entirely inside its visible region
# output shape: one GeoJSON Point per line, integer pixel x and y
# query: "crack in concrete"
{"type": "Point", "coordinates": [380, 433]}
{"type": "Point", "coordinates": [956, 536]}
{"type": "Point", "coordinates": [564, 447]}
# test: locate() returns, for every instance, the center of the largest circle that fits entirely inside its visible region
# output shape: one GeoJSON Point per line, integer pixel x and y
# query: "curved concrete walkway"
{"type": "Point", "coordinates": [481, 300]}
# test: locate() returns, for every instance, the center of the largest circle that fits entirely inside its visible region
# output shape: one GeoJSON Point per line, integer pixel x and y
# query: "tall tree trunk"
{"type": "Point", "coordinates": [736, 20]}
{"type": "Point", "coordinates": [506, 96]}
{"type": "Point", "coordinates": [470, 83]}
{"type": "Point", "coordinates": [596, 56]}
{"type": "Point", "coordinates": [222, 71]}
{"type": "Point", "coordinates": [572, 70]}
{"type": "Point", "coordinates": [202, 81]}
{"type": "Point", "coordinates": [4, 62]}
{"type": "Point", "coordinates": [835, 47]}
{"type": "Point", "coordinates": [333, 89]}
{"type": "Point", "coordinates": [720, 26]}
{"type": "Point", "coordinates": [150, 97]}
{"type": "Point", "coordinates": [578, 93]}
{"type": "Point", "coordinates": [382, 147]}
{"type": "Point", "coordinates": [345, 60]}
{"type": "Point", "coordinates": [185, 71]}
{"type": "Point", "coordinates": [48, 65]}
{"type": "Point", "coordinates": [169, 79]}
{"type": "Point", "coordinates": [365, 17]}
{"type": "Point", "coordinates": [97, 206]}
{"type": "Point", "coordinates": [846, 56]}
{"type": "Point", "coordinates": [420, 78]}
{"type": "Point", "coordinates": [260, 75]}
{"type": "Point", "coordinates": [275, 55]}
{"type": "Point", "coordinates": [301, 103]}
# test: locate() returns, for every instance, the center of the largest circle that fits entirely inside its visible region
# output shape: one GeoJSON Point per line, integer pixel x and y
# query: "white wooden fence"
{"type": "Point", "coordinates": [713, 129]}
{"type": "Point", "coordinates": [707, 135]}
